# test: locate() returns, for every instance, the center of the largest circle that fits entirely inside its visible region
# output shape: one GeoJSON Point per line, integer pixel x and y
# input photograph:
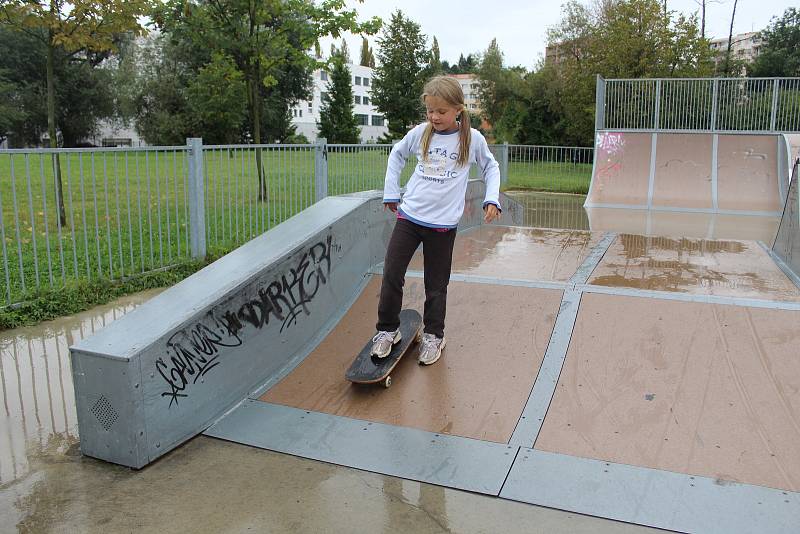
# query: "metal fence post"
{"type": "Point", "coordinates": [321, 168]}
{"type": "Point", "coordinates": [504, 163]}
{"type": "Point", "coordinates": [774, 115]}
{"type": "Point", "coordinates": [656, 118]}
{"type": "Point", "coordinates": [197, 211]}
{"type": "Point", "coordinates": [600, 104]}
{"type": "Point", "coordinates": [714, 104]}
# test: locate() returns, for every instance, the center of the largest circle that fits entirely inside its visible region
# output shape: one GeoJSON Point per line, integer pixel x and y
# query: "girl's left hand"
{"type": "Point", "coordinates": [491, 213]}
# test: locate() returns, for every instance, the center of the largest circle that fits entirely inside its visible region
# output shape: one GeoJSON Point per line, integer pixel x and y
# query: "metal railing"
{"type": "Point", "coordinates": [699, 104]}
{"type": "Point", "coordinates": [131, 211]}
{"type": "Point", "coordinates": [124, 212]}
{"type": "Point", "coordinates": [559, 169]}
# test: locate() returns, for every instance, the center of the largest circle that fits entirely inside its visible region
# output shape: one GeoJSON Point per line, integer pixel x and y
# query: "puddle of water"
{"type": "Point", "coordinates": [555, 210]}
{"type": "Point", "coordinates": [552, 210]}
{"type": "Point", "coordinates": [39, 416]}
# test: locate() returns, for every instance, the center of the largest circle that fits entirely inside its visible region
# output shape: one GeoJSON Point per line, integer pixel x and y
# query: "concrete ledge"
{"type": "Point", "coordinates": [167, 370]}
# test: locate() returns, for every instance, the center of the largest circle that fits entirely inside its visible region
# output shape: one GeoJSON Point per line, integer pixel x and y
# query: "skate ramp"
{"type": "Point", "coordinates": [690, 172]}
{"type": "Point", "coordinates": [786, 247]}
{"type": "Point", "coordinates": [455, 398]}
{"type": "Point", "coordinates": [646, 380]}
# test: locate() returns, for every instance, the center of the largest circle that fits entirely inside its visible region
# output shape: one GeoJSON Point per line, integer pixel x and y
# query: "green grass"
{"type": "Point", "coordinates": [127, 212]}
{"type": "Point", "coordinates": [79, 295]}
{"type": "Point", "coordinates": [550, 177]}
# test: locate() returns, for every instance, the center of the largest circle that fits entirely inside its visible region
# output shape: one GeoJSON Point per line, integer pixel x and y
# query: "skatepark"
{"type": "Point", "coordinates": [643, 371]}
{"type": "Point", "coordinates": [646, 379]}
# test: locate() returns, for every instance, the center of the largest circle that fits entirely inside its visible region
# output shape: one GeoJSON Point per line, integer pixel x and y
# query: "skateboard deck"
{"type": "Point", "coordinates": [368, 369]}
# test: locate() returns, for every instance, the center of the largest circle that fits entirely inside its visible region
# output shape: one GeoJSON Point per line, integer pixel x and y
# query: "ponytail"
{"type": "Point", "coordinates": [465, 138]}
{"type": "Point", "coordinates": [427, 135]}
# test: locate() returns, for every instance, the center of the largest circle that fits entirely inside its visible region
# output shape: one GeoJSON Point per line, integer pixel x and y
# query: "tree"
{"type": "Point", "coordinates": [337, 123]}
{"type": "Point", "coordinates": [343, 51]}
{"type": "Point", "coordinates": [367, 58]}
{"type": "Point", "coordinates": [83, 90]}
{"type": "Point", "coordinates": [269, 43]}
{"type": "Point", "coordinates": [10, 112]}
{"type": "Point", "coordinates": [779, 55]}
{"type": "Point", "coordinates": [218, 101]}
{"type": "Point", "coordinates": [435, 64]}
{"type": "Point", "coordinates": [399, 77]}
{"type": "Point", "coordinates": [492, 78]}
{"type": "Point", "coordinates": [467, 65]}
{"type": "Point", "coordinates": [77, 27]}
{"type": "Point", "coordinates": [162, 115]}
{"type": "Point", "coordinates": [464, 65]}
{"type": "Point", "coordinates": [619, 39]}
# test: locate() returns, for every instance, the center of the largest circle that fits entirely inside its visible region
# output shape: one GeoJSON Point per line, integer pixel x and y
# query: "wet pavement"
{"type": "Point", "coordinates": [207, 485]}
{"type": "Point", "coordinates": [696, 266]}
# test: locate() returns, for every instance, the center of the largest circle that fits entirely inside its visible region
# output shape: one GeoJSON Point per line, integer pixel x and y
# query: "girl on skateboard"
{"type": "Point", "coordinates": [430, 209]}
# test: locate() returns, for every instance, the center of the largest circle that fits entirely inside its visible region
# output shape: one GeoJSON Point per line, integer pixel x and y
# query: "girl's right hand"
{"type": "Point", "coordinates": [390, 205]}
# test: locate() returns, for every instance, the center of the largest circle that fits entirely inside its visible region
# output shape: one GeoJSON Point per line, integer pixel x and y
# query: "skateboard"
{"type": "Point", "coordinates": [369, 369]}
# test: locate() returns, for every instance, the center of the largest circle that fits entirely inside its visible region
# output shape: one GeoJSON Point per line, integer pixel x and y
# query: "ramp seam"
{"type": "Point", "coordinates": [686, 297]}
{"type": "Point", "coordinates": [647, 496]}
{"type": "Point", "coordinates": [533, 414]}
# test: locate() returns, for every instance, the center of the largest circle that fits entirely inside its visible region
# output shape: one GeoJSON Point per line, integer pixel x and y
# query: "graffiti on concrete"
{"type": "Point", "coordinates": [611, 147]}
{"type": "Point", "coordinates": [195, 350]}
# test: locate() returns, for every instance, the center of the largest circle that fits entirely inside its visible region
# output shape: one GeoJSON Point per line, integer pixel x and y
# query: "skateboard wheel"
{"type": "Point", "coordinates": [387, 382]}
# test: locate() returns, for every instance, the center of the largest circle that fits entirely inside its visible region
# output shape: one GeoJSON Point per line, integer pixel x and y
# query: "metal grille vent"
{"type": "Point", "coordinates": [105, 413]}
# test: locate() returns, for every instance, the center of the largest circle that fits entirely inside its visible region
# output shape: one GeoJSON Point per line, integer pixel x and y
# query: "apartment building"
{"type": "Point", "coordinates": [745, 46]}
{"type": "Point", "coordinates": [372, 124]}
{"type": "Point", "coordinates": [470, 85]}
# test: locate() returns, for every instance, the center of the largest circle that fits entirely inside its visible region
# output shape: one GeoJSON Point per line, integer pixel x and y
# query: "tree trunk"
{"type": "Point", "coordinates": [256, 110]}
{"type": "Point", "coordinates": [730, 41]}
{"type": "Point", "coordinates": [703, 19]}
{"type": "Point", "coordinates": [254, 70]}
{"type": "Point", "coordinates": [51, 127]}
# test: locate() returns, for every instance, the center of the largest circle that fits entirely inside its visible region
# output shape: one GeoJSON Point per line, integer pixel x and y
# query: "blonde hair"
{"type": "Point", "coordinates": [448, 89]}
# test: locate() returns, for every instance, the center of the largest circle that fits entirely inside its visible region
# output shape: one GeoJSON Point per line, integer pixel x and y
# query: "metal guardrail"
{"type": "Point", "coordinates": [699, 104]}
{"type": "Point", "coordinates": [129, 211]}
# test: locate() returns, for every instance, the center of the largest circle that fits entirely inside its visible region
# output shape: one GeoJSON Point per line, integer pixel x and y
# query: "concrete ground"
{"type": "Point", "coordinates": [206, 485]}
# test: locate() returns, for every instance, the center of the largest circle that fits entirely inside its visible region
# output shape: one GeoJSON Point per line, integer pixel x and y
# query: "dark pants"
{"type": "Point", "coordinates": [437, 250]}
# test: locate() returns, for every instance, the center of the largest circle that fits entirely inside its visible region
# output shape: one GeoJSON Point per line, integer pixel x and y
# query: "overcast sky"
{"type": "Point", "coordinates": [520, 26]}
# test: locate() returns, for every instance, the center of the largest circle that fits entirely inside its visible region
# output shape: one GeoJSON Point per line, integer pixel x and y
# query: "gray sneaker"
{"type": "Point", "coordinates": [431, 349]}
{"type": "Point", "coordinates": [383, 342]}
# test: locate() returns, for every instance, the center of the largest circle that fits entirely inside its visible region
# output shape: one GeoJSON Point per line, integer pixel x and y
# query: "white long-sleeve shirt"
{"type": "Point", "coordinates": [435, 193]}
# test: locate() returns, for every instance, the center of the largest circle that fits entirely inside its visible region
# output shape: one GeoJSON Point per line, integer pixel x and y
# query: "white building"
{"type": "Point", "coordinates": [372, 124]}
{"type": "Point", "coordinates": [110, 133]}
{"type": "Point", "coordinates": [470, 85]}
{"type": "Point", "coordinates": [745, 46]}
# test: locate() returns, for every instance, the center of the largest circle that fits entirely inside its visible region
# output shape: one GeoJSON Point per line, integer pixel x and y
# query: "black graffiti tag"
{"type": "Point", "coordinates": [193, 352]}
